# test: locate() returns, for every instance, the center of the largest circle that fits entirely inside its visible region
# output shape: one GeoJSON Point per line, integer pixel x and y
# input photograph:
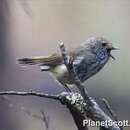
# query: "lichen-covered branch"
{"type": "Point", "coordinates": [73, 101]}
{"type": "Point", "coordinates": [76, 104]}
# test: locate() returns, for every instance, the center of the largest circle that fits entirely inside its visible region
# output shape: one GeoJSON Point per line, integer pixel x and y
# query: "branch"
{"type": "Point", "coordinates": [30, 93]}
{"type": "Point", "coordinates": [72, 100]}
{"type": "Point", "coordinates": [97, 114]}
{"type": "Point", "coordinates": [76, 104]}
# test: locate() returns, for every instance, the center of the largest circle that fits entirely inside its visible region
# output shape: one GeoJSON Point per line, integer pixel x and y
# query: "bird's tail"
{"type": "Point", "coordinates": [42, 61]}
{"type": "Point", "coordinates": [31, 61]}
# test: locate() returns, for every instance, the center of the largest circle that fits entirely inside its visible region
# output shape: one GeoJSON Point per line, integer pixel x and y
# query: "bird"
{"type": "Point", "coordinates": [87, 60]}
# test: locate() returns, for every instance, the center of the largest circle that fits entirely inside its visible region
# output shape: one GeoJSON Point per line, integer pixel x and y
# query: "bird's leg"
{"type": "Point", "coordinates": [66, 87]}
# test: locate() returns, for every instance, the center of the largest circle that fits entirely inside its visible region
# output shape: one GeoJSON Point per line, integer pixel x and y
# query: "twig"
{"type": "Point", "coordinates": [65, 86]}
{"type": "Point", "coordinates": [113, 114]}
{"type": "Point", "coordinates": [108, 107]}
{"type": "Point", "coordinates": [30, 93]}
{"type": "Point", "coordinates": [42, 116]}
{"type": "Point", "coordinates": [25, 6]}
{"type": "Point", "coordinates": [45, 119]}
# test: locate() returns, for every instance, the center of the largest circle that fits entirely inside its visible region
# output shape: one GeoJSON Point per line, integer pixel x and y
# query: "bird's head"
{"type": "Point", "coordinates": [101, 44]}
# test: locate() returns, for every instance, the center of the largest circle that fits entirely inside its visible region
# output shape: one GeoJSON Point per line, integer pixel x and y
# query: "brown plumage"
{"type": "Point", "coordinates": [51, 60]}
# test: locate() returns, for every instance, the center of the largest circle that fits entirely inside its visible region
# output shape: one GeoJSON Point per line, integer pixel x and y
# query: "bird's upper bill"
{"type": "Point", "coordinates": [111, 47]}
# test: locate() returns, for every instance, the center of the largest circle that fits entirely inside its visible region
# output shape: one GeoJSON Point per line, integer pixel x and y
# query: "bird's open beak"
{"type": "Point", "coordinates": [113, 48]}
{"type": "Point", "coordinates": [110, 48]}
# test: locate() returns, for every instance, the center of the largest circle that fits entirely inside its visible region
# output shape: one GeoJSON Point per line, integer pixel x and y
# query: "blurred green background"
{"type": "Point", "coordinates": [34, 28]}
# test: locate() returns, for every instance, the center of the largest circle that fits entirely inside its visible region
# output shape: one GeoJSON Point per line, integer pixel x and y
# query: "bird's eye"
{"type": "Point", "coordinates": [104, 44]}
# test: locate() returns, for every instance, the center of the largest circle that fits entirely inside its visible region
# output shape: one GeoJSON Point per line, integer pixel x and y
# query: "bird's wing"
{"type": "Point", "coordinates": [82, 63]}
